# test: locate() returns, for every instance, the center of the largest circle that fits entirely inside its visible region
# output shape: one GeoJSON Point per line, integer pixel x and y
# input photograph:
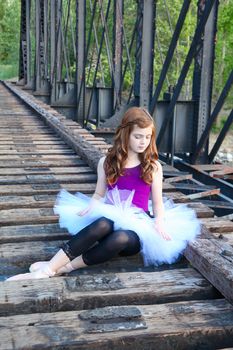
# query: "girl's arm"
{"type": "Point", "coordinates": [156, 192]}
{"type": "Point", "coordinates": [101, 184]}
{"type": "Point", "coordinates": [100, 188]}
{"type": "Point", "coordinates": [157, 200]}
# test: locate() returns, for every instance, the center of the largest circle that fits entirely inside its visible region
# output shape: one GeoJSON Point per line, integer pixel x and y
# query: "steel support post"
{"type": "Point", "coordinates": [146, 73]}
{"type": "Point", "coordinates": [52, 50]}
{"type": "Point", "coordinates": [38, 47]}
{"type": "Point", "coordinates": [221, 136]}
{"type": "Point", "coordinates": [214, 114]}
{"type": "Point", "coordinates": [117, 52]}
{"type": "Point", "coordinates": [45, 31]}
{"type": "Point", "coordinates": [138, 55]}
{"type": "Point", "coordinates": [203, 79]}
{"type": "Point", "coordinates": [191, 54]}
{"type": "Point", "coordinates": [23, 45]}
{"type": "Point", "coordinates": [80, 59]}
{"type": "Point", "coordinates": [29, 79]}
{"type": "Point", "coordinates": [58, 52]}
{"type": "Point", "coordinates": [170, 53]}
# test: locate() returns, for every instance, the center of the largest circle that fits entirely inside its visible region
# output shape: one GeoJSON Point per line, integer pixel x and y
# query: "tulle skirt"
{"type": "Point", "coordinates": [180, 222]}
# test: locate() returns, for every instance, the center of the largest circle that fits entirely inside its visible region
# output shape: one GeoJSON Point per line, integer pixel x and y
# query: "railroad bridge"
{"type": "Point", "coordinates": [56, 122]}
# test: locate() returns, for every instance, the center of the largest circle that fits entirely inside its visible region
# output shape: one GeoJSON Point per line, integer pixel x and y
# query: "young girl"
{"type": "Point", "coordinates": [116, 220]}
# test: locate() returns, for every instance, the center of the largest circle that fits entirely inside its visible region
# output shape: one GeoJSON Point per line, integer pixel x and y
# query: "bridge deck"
{"type": "Point", "coordinates": [117, 305]}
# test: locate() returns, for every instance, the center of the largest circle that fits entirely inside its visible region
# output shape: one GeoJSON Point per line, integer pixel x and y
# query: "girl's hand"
{"type": "Point", "coordinates": [85, 211]}
{"type": "Point", "coordinates": [159, 226]}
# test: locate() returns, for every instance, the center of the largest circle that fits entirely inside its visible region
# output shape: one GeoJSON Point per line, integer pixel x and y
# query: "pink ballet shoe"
{"type": "Point", "coordinates": [41, 264]}
{"type": "Point", "coordinates": [65, 269]}
{"type": "Point", "coordinates": [37, 266]}
{"type": "Point", "coordinates": [44, 272]}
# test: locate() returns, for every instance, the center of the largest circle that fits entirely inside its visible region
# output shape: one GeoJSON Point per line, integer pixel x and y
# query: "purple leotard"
{"type": "Point", "coordinates": [131, 180]}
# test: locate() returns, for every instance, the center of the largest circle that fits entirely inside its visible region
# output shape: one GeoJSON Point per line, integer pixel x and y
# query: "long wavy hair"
{"type": "Point", "coordinates": [118, 153]}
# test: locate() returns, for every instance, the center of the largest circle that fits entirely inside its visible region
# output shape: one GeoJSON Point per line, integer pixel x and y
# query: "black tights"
{"type": "Point", "coordinates": [110, 243]}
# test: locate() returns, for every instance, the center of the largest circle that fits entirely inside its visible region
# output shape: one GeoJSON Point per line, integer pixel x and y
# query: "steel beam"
{"type": "Point", "coordinates": [203, 78]}
{"type": "Point", "coordinates": [29, 78]}
{"type": "Point", "coordinates": [138, 53]}
{"type": "Point", "coordinates": [23, 45]}
{"type": "Point", "coordinates": [80, 59]}
{"type": "Point", "coordinates": [117, 51]}
{"type": "Point", "coordinates": [221, 136]}
{"type": "Point", "coordinates": [147, 59]}
{"type": "Point", "coordinates": [192, 51]}
{"type": "Point", "coordinates": [52, 50]}
{"type": "Point", "coordinates": [214, 114]}
{"type": "Point", "coordinates": [38, 45]}
{"type": "Point", "coordinates": [205, 178]}
{"type": "Point", "coordinates": [170, 53]}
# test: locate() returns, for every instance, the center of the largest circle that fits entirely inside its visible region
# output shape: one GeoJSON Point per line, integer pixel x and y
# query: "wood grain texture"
{"type": "Point", "coordinates": [182, 325]}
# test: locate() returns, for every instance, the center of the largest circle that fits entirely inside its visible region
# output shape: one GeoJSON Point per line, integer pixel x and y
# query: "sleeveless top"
{"type": "Point", "coordinates": [131, 180]}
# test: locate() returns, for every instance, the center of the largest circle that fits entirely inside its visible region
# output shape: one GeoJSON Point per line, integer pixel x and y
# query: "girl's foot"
{"type": "Point", "coordinates": [65, 269]}
{"type": "Point", "coordinates": [40, 264]}
{"type": "Point", "coordinates": [44, 272]}
{"type": "Point", "coordinates": [37, 266]}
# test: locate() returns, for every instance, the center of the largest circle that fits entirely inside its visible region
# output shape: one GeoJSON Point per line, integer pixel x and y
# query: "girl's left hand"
{"type": "Point", "coordinates": [159, 226]}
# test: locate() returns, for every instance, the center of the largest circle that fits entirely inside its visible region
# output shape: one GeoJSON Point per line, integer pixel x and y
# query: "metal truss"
{"type": "Point", "coordinates": [91, 61]}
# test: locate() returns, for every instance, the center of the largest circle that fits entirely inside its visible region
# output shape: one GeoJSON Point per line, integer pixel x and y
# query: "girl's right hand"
{"type": "Point", "coordinates": [159, 225]}
{"type": "Point", "coordinates": [85, 211]}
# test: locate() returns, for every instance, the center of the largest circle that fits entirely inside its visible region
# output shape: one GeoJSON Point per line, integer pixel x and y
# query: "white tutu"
{"type": "Point", "coordinates": [180, 222]}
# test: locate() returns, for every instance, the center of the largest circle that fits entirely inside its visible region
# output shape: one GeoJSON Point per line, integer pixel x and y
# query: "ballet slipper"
{"type": "Point", "coordinates": [44, 272]}
{"type": "Point", "coordinates": [37, 266]}
{"type": "Point", "coordinates": [40, 264]}
{"type": "Point", "coordinates": [65, 269]}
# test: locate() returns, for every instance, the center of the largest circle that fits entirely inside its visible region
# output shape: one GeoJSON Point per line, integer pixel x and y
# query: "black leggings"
{"type": "Point", "coordinates": [110, 243]}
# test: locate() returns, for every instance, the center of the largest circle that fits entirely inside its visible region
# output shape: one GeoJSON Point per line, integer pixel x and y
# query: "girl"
{"type": "Point", "coordinates": [116, 220]}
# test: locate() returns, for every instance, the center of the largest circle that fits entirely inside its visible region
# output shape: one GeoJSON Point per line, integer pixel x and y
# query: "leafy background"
{"type": "Point", "coordinates": [167, 15]}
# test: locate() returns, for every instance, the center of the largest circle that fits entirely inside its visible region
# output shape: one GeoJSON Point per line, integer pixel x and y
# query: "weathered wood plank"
{"type": "Point", "coordinates": [41, 163]}
{"type": "Point", "coordinates": [53, 188]}
{"type": "Point", "coordinates": [47, 178]}
{"type": "Point", "coordinates": [35, 232]}
{"type": "Point", "coordinates": [22, 142]}
{"type": "Point", "coordinates": [182, 325]}
{"type": "Point", "coordinates": [218, 225]}
{"type": "Point", "coordinates": [33, 151]}
{"type": "Point", "coordinates": [178, 178]}
{"type": "Point", "coordinates": [30, 146]}
{"type": "Point", "coordinates": [88, 291]}
{"type": "Point", "coordinates": [203, 194]}
{"type": "Point", "coordinates": [47, 170]}
{"type": "Point", "coordinates": [201, 210]}
{"type": "Point", "coordinates": [40, 156]}
{"type": "Point", "coordinates": [226, 237]}
{"type": "Point", "coordinates": [27, 216]}
{"type": "Point", "coordinates": [214, 260]}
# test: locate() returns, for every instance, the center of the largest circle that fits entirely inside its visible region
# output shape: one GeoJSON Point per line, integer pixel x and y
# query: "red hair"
{"type": "Point", "coordinates": [118, 153]}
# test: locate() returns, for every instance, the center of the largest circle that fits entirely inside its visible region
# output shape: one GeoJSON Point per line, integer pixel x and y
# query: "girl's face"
{"type": "Point", "coordinates": [139, 139]}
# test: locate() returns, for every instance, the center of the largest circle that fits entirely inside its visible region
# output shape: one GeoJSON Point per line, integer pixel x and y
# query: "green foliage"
{"type": "Point", "coordinates": [224, 48]}
{"type": "Point", "coordinates": [217, 127]}
{"type": "Point", "coordinates": [167, 13]}
{"type": "Point", "coordinates": [9, 37]}
{"type": "Point", "coordinates": [8, 71]}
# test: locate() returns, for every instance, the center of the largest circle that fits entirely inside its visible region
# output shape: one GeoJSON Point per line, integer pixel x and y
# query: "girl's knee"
{"type": "Point", "coordinates": [121, 238]}
{"type": "Point", "coordinates": [103, 225]}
